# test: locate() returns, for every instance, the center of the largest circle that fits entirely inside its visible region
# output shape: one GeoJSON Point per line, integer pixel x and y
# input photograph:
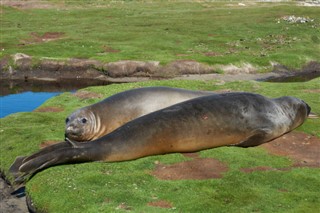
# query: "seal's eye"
{"type": "Point", "coordinates": [84, 120]}
{"type": "Point", "coordinates": [67, 120]}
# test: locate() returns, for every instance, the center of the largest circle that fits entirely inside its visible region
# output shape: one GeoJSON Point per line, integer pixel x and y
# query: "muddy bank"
{"type": "Point", "coordinates": [10, 203]}
{"type": "Point", "coordinates": [24, 67]}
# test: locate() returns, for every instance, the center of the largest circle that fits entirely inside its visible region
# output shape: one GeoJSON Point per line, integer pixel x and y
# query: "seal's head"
{"type": "Point", "coordinates": [296, 109]}
{"type": "Point", "coordinates": [81, 125]}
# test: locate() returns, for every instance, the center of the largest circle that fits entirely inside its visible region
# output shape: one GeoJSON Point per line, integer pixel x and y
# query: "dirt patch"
{"type": "Point", "coordinates": [124, 206]}
{"type": "Point", "coordinates": [87, 95]}
{"type": "Point", "coordinates": [304, 149]}
{"type": "Point", "coordinates": [44, 144]}
{"type": "Point", "coordinates": [49, 109]}
{"type": "Point", "coordinates": [196, 169]}
{"type": "Point", "coordinates": [107, 49]}
{"type": "Point", "coordinates": [19, 4]}
{"type": "Point", "coordinates": [36, 38]}
{"type": "Point", "coordinates": [212, 54]}
{"type": "Point", "coordinates": [312, 90]}
{"type": "Point", "coordinates": [161, 204]}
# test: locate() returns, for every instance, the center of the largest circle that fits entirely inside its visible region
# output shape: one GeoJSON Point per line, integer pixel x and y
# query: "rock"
{"type": "Point", "coordinates": [20, 56]}
{"type": "Point", "coordinates": [294, 19]}
{"type": "Point", "coordinates": [310, 3]}
{"type": "Point", "coordinates": [22, 61]}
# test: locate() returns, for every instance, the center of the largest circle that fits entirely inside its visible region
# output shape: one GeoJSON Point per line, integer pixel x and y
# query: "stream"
{"type": "Point", "coordinates": [26, 96]}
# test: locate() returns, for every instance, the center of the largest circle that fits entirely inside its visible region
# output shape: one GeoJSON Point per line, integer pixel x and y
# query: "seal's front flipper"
{"type": "Point", "coordinates": [256, 139]}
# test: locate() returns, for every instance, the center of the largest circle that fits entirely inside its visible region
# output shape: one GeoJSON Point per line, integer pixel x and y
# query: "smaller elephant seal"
{"type": "Point", "coordinates": [94, 121]}
{"type": "Point", "coordinates": [231, 119]}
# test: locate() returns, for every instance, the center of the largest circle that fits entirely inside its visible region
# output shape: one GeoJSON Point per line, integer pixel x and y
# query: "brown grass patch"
{"type": "Point", "coordinates": [49, 109]}
{"type": "Point", "coordinates": [161, 204]}
{"type": "Point", "coordinates": [108, 49]}
{"type": "Point", "coordinates": [196, 169]}
{"type": "Point", "coordinates": [304, 149]}
{"type": "Point", "coordinates": [31, 4]}
{"type": "Point", "coordinates": [312, 90]}
{"type": "Point", "coordinates": [46, 37]}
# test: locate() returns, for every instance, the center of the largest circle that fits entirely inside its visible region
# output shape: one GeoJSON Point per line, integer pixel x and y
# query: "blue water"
{"type": "Point", "coordinates": [23, 102]}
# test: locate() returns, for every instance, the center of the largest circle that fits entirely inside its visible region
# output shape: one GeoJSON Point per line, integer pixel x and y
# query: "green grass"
{"type": "Point", "coordinates": [106, 187]}
{"type": "Point", "coordinates": [165, 31]}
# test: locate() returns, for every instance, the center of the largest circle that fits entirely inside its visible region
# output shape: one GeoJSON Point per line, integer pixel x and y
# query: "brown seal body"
{"type": "Point", "coordinates": [232, 119]}
{"type": "Point", "coordinates": [94, 121]}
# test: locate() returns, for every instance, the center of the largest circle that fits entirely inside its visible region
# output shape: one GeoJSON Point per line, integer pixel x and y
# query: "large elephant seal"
{"type": "Point", "coordinates": [94, 121]}
{"type": "Point", "coordinates": [231, 119]}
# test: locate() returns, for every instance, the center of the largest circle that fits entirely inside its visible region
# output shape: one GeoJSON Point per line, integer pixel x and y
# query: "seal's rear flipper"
{"type": "Point", "coordinates": [19, 177]}
{"type": "Point", "coordinates": [14, 168]}
{"type": "Point", "coordinates": [48, 149]}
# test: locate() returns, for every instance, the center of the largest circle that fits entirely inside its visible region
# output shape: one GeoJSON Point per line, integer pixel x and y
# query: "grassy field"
{"type": "Point", "coordinates": [217, 32]}
{"type": "Point", "coordinates": [129, 186]}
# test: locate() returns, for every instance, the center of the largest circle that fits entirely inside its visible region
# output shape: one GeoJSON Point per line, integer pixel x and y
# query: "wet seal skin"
{"type": "Point", "coordinates": [94, 121]}
{"type": "Point", "coordinates": [231, 119]}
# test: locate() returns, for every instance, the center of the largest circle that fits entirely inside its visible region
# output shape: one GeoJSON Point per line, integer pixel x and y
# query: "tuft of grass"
{"type": "Point", "coordinates": [208, 32]}
{"type": "Point", "coordinates": [129, 186]}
